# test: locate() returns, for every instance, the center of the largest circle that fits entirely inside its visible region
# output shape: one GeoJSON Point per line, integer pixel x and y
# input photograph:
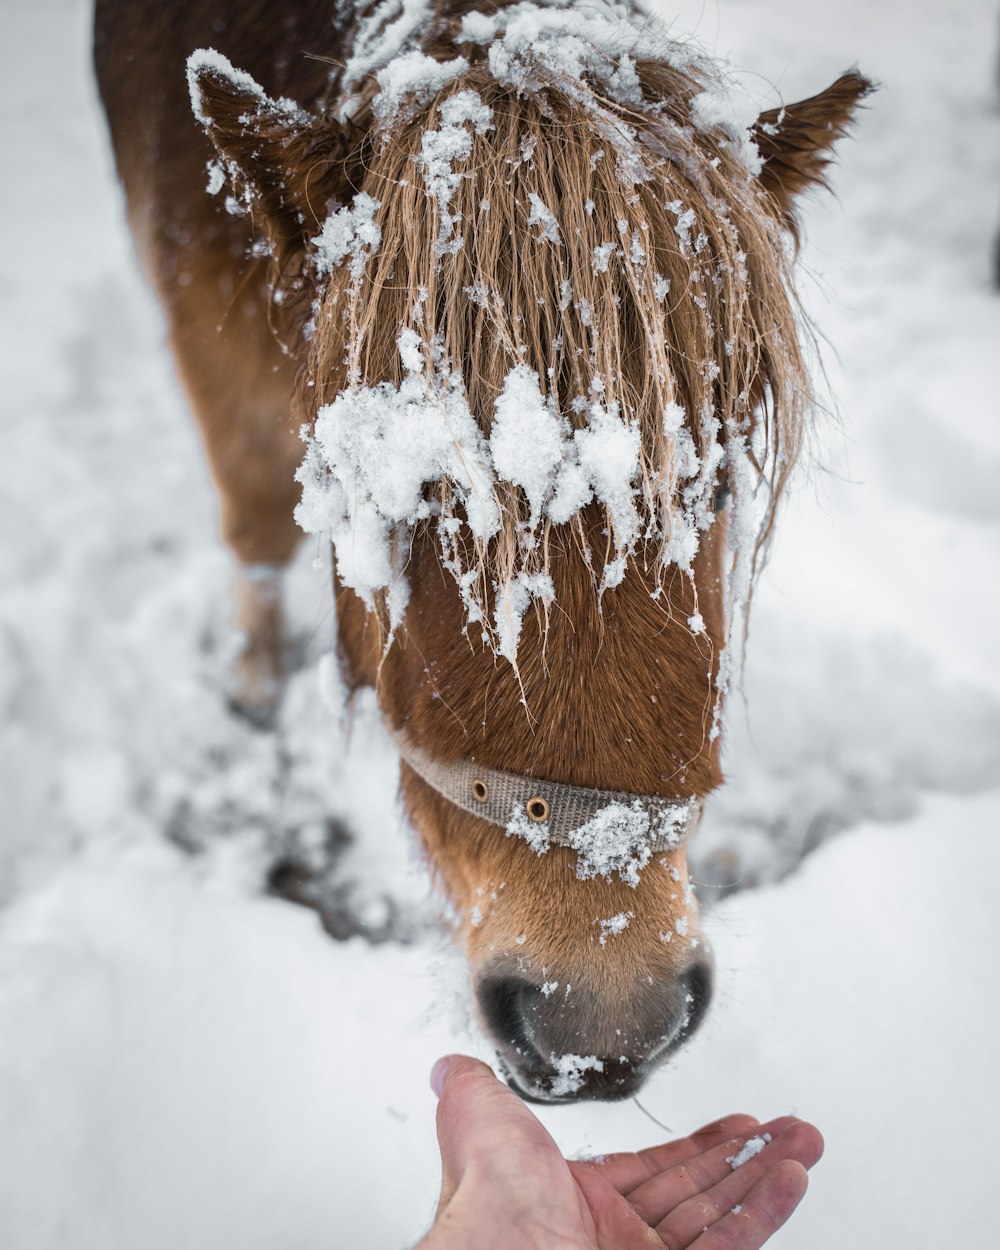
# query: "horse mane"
{"type": "Point", "coordinates": [660, 289]}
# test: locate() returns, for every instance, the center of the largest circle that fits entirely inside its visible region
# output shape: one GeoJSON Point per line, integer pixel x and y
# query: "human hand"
{"type": "Point", "coordinates": [506, 1186]}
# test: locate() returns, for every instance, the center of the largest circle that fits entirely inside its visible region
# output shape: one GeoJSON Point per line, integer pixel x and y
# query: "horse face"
{"type": "Point", "coordinates": [585, 984]}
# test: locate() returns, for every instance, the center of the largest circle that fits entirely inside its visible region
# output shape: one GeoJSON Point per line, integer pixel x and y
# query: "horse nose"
{"type": "Point", "coordinates": [566, 1042]}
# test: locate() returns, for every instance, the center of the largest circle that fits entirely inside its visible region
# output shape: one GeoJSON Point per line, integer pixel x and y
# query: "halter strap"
{"type": "Point", "coordinates": [544, 812]}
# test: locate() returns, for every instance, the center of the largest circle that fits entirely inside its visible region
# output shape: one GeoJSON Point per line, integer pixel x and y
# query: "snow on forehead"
{"type": "Point", "coordinates": [601, 43]}
{"type": "Point", "coordinates": [416, 76]}
{"type": "Point", "coordinates": [571, 42]}
{"type": "Point", "coordinates": [385, 32]}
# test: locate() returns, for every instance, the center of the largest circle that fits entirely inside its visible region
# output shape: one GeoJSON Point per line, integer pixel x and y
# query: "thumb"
{"type": "Point", "coordinates": [483, 1126]}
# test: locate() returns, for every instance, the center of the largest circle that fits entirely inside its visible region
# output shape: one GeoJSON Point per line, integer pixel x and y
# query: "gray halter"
{"type": "Point", "coordinates": [548, 811]}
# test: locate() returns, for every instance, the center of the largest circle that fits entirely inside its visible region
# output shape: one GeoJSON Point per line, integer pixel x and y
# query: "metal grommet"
{"type": "Point", "coordinates": [480, 791]}
{"type": "Point", "coordinates": [537, 809]}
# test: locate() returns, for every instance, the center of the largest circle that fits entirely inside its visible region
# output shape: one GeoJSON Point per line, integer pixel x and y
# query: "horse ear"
{"type": "Point", "coordinates": [277, 156]}
{"type": "Point", "coordinates": [795, 141]}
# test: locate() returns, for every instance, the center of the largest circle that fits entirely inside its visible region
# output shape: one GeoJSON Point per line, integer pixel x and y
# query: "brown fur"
{"type": "Point", "coordinates": [611, 691]}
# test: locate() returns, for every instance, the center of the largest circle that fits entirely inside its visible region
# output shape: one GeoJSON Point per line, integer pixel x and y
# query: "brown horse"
{"type": "Point", "coordinates": [522, 275]}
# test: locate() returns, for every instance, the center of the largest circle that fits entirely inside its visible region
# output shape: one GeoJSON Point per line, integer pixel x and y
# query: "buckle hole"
{"type": "Point", "coordinates": [537, 809]}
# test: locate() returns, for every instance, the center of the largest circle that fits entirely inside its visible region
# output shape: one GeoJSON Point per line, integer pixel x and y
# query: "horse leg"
{"type": "Point", "coordinates": [240, 385]}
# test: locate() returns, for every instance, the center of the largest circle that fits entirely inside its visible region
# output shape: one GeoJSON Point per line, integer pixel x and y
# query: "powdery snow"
{"type": "Point", "coordinates": [348, 232]}
{"type": "Point", "coordinates": [614, 925]}
{"type": "Point", "coordinates": [749, 1150]}
{"type": "Point", "coordinates": [571, 1073]}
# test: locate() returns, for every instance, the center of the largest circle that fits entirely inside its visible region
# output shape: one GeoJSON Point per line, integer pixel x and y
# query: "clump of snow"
{"type": "Point", "coordinates": [524, 420]}
{"type": "Point", "coordinates": [571, 1072]}
{"type": "Point", "coordinates": [348, 232]}
{"type": "Point", "coordinates": [616, 840]}
{"type": "Point", "coordinates": [375, 452]}
{"type": "Point", "coordinates": [614, 574]}
{"type": "Point", "coordinates": [441, 148]}
{"type": "Point", "coordinates": [541, 215]}
{"type": "Point", "coordinates": [415, 76]}
{"type": "Point", "coordinates": [608, 459]}
{"type": "Point", "coordinates": [512, 601]}
{"type": "Point", "coordinates": [530, 44]}
{"type": "Point", "coordinates": [372, 453]}
{"type": "Point", "coordinates": [619, 838]}
{"type": "Point", "coordinates": [535, 833]}
{"type": "Point", "coordinates": [382, 34]}
{"type": "Point", "coordinates": [752, 1147]}
{"type": "Point", "coordinates": [729, 107]}
{"type": "Point", "coordinates": [216, 177]}
{"type": "Point", "coordinates": [602, 257]}
{"type": "Point", "coordinates": [614, 925]}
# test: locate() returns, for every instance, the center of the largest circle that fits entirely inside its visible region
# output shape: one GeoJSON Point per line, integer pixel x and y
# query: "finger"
{"type": "Point", "coordinates": [799, 1144]}
{"type": "Point", "coordinates": [766, 1207]}
{"type": "Point", "coordinates": [483, 1125]}
{"type": "Point", "coordinates": [628, 1170]}
{"type": "Point", "coordinates": [658, 1196]}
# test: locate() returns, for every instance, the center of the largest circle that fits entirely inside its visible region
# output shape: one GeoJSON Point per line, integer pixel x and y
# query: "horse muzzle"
{"type": "Point", "coordinates": [567, 1043]}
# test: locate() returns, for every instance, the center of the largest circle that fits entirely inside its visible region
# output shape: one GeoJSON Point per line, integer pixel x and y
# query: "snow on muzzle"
{"type": "Point", "coordinates": [562, 1042]}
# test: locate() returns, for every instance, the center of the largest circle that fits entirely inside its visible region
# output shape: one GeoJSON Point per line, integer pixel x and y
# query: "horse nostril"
{"type": "Point", "coordinates": [505, 1003]}
{"type": "Point", "coordinates": [698, 982]}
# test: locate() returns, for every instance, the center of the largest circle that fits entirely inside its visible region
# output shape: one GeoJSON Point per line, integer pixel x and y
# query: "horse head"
{"type": "Point", "coordinates": [551, 371]}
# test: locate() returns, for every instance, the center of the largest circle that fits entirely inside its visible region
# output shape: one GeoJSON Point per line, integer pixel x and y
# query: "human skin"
{"type": "Point", "coordinates": [506, 1186]}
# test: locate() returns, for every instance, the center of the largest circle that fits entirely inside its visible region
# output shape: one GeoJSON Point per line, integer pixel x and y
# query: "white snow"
{"type": "Point", "coordinates": [529, 43]}
{"type": "Point", "coordinates": [541, 215]}
{"type": "Point", "coordinates": [602, 256]}
{"type": "Point", "coordinates": [513, 599]}
{"type": "Point", "coordinates": [614, 925]}
{"type": "Point", "coordinates": [383, 33]}
{"type": "Point", "coordinates": [371, 455]}
{"type": "Point", "coordinates": [441, 148]}
{"type": "Point", "coordinates": [572, 1072]}
{"type": "Point", "coordinates": [749, 1150]}
{"type": "Point", "coordinates": [535, 833]}
{"type": "Point", "coordinates": [187, 1063]}
{"type": "Point", "coordinates": [415, 77]}
{"type": "Point", "coordinates": [348, 232]}
{"type": "Point", "coordinates": [524, 421]}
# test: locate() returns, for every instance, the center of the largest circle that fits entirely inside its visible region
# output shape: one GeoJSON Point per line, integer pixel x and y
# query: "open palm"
{"type": "Point", "coordinates": [506, 1184]}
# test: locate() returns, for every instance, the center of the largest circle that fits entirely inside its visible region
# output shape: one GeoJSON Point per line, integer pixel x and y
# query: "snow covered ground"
{"type": "Point", "coordinates": [184, 1062]}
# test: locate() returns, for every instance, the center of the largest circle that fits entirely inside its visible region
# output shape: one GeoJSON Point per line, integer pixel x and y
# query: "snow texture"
{"type": "Point", "coordinates": [749, 1150]}
{"type": "Point", "coordinates": [571, 1073]}
{"type": "Point", "coordinates": [614, 925]}
{"type": "Point", "coordinates": [348, 232]}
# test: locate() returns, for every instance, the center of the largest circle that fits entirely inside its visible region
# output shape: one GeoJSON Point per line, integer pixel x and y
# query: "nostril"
{"type": "Point", "coordinates": [504, 1003]}
{"type": "Point", "coordinates": [698, 982]}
